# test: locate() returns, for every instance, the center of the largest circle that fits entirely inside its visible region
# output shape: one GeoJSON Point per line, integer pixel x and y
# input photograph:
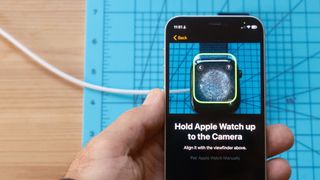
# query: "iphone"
{"type": "Point", "coordinates": [215, 98]}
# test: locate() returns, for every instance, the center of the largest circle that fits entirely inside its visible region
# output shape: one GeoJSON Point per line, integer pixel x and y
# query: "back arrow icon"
{"type": "Point", "coordinates": [175, 37]}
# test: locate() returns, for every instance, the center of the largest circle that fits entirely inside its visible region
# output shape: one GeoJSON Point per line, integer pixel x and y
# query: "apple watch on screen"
{"type": "Point", "coordinates": [215, 85]}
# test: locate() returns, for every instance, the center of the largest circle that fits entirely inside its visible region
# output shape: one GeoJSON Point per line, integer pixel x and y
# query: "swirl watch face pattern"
{"type": "Point", "coordinates": [215, 81]}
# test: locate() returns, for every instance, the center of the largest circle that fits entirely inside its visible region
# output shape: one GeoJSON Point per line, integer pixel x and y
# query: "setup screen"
{"type": "Point", "coordinates": [215, 110]}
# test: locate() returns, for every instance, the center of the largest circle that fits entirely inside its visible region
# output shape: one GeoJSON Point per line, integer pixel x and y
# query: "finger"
{"type": "Point", "coordinates": [279, 139]}
{"type": "Point", "coordinates": [74, 167]}
{"type": "Point", "coordinates": [134, 127]}
{"type": "Point", "coordinates": [278, 169]}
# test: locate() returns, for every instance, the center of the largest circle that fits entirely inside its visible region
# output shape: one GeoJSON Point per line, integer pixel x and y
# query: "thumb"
{"type": "Point", "coordinates": [133, 128]}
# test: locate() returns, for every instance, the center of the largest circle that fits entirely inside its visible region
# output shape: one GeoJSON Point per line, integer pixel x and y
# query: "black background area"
{"type": "Point", "coordinates": [180, 166]}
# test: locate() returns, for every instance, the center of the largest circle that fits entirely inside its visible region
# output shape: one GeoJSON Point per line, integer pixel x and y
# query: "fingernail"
{"type": "Point", "coordinates": [153, 97]}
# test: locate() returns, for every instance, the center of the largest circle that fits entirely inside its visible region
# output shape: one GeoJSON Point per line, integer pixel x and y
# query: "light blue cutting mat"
{"type": "Point", "coordinates": [124, 49]}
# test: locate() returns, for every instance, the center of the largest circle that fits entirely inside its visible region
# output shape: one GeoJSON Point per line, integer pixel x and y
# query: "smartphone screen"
{"type": "Point", "coordinates": [215, 98]}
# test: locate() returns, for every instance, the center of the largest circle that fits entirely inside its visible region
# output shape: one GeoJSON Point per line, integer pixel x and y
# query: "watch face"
{"type": "Point", "coordinates": [215, 81]}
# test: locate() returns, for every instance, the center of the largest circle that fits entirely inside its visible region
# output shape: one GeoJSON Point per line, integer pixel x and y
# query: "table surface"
{"type": "Point", "coordinates": [40, 114]}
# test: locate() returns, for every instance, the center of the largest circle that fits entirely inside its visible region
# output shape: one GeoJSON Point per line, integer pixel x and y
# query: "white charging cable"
{"type": "Point", "coordinates": [72, 79]}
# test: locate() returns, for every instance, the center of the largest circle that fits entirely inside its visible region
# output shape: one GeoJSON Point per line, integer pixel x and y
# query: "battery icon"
{"type": "Point", "coordinates": [254, 27]}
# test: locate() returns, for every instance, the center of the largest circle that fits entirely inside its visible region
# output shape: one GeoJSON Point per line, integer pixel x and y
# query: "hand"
{"type": "Point", "coordinates": [132, 147]}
